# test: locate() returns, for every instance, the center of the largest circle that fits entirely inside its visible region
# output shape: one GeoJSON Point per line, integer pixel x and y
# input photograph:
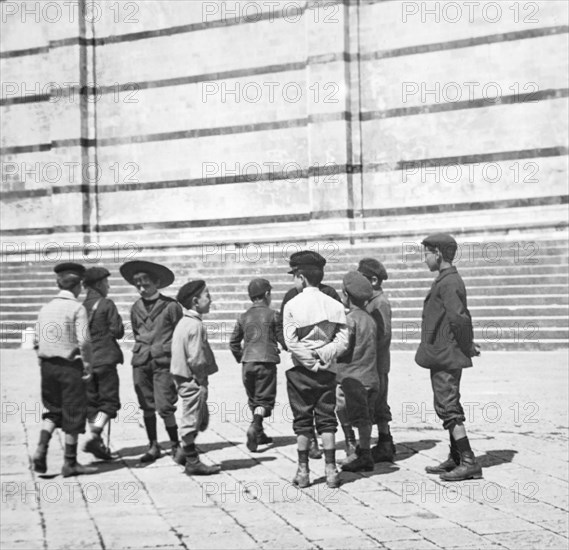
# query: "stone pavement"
{"type": "Point", "coordinates": [516, 406]}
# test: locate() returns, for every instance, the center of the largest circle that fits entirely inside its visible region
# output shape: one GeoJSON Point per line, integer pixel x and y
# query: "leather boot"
{"type": "Point", "coordinates": [96, 447]}
{"type": "Point", "coordinates": [40, 460]}
{"type": "Point", "coordinates": [449, 464]}
{"type": "Point", "coordinates": [352, 452]}
{"type": "Point", "coordinates": [302, 476]}
{"type": "Point", "coordinates": [362, 463]}
{"type": "Point", "coordinates": [332, 476]}
{"type": "Point", "coordinates": [252, 438]}
{"type": "Point", "coordinates": [384, 450]}
{"type": "Point", "coordinates": [153, 453]}
{"type": "Point", "coordinates": [195, 467]}
{"type": "Point", "coordinates": [467, 469]}
{"type": "Point", "coordinates": [178, 454]}
{"type": "Point", "coordinates": [263, 438]}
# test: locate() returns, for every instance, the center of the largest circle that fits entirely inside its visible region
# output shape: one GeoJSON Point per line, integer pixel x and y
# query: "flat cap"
{"type": "Point", "coordinates": [444, 242]}
{"type": "Point", "coordinates": [357, 286]}
{"type": "Point", "coordinates": [372, 267]}
{"type": "Point", "coordinates": [156, 271]}
{"type": "Point", "coordinates": [69, 268]}
{"type": "Point", "coordinates": [95, 274]}
{"type": "Point", "coordinates": [188, 291]}
{"type": "Point", "coordinates": [258, 287]}
{"type": "Point", "coordinates": [305, 258]}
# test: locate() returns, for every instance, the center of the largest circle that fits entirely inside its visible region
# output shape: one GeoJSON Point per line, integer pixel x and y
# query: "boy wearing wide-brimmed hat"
{"type": "Point", "coordinates": [105, 327]}
{"type": "Point", "coordinates": [63, 345]}
{"type": "Point", "coordinates": [192, 364]}
{"type": "Point", "coordinates": [256, 328]}
{"type": "Point", "coordinates": [154, 318]}
{"type": "Point", "coordinates": [380, 309]}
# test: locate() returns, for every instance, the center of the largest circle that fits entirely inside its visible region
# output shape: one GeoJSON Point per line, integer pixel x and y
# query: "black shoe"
{"type": "Point", "coordinates": [96, 447]}
{"type": "Point", "coordinates": [39, 461]}
{"type": "Point", "coordinates": [448, 465]}
{"type": "Point", "coordinates": [195, 467]}
{"type": "Point", "coordinates": [314, 451]}
{"type": "Point", "coordinates": [76, 469]}
{"type": "Point", "coordinates": [332, 476]}
{"type": "Point", "coordinates": [383, 451]}
{"type": "Point", "coordinates": [467, 469]}
{"type": "Point", "coordinates": [263, 439]}
{"type": "Point", "coordinates": [362, 463]}
{"type": "Point", "coordinates": [252, 436]}
{"type": "Point", "coordinates": [178, 454]}
{"type": "Point", "coordinates": [153, 453]}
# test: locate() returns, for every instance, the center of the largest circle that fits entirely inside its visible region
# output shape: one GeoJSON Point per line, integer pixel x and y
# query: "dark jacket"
{"type": "Point", "coordinates": [446, 330]}
{"type": "Point", "coordinates": [105, 327]}
{"type": "Point", "coordinates": [289, 296]}
{"type": "Point", "coordinates": [153, 331]}
{"type": "Point", "coordinates": [256, 327]}
{"type": "Point", "coordinates": [359, 361]}
{"type": "Point", "coordinates": [380, 309]}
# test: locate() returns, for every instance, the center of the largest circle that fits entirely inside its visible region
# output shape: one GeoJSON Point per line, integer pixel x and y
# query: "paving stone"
{"type": "Point", "coordinates": [530, 540]}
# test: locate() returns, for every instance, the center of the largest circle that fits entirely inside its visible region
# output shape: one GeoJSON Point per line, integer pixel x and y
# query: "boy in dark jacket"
{"type": "Point", "coordinates": [256, 328]}
{"type": "Point", "coordinates": [446, 348]}
{"type": "Point", "coordinates": [380, 309]}
{"type": "Point", "coordinates": [154, 318]}
{"type": "Point", "coordinates": [106, 327]}
{"type": "Point", "coordinates": [356, 373]}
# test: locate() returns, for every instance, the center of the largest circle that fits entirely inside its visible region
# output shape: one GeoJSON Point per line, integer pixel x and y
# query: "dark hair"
{"type": "Point", "coordinates": [68, 281]}
{"type": "Point", "coordinates": [313, 274]}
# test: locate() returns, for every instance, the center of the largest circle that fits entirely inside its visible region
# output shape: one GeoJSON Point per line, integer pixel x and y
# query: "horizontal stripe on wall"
{"type": "Point", "coordinates": [302, 217]}
{"type": "Point", "coordinates": [482, 103]}
{"type": "Point", "coordinates": [312, 171]}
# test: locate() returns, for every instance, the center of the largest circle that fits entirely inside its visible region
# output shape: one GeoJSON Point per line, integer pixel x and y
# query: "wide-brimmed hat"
{"type": "Point", "coordinates": [156, 271]}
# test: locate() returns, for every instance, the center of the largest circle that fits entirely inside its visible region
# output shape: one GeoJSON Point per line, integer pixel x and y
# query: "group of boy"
{"type": "Point", "coordinates": [339, 369]}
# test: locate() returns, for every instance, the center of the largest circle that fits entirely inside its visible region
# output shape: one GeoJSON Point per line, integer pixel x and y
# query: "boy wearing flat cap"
{"type": "Point", "coordinates": [315, 333]}
{"type": "Point", "coordinates": [192, 364]}
{"type": "Point", "coordinates": [298, 259]}
{"type": "Point", "coordinates": [105, 327]}
{"type": "Point", "coordinates": [380, 309]}
{"type": "Point", "coordinates": [153, 317]}
{"type": "Point", "coordinates": [63, 345]}
{"type": "Point", "coordinates": [256, 328]}
{"type": "Point", "coordinates": [446, 348]}
{"type": "Point", "coordinates": [357, 374]}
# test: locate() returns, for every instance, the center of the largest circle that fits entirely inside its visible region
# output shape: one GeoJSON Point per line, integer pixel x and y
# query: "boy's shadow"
{"type": "Point", "coordinates": [496, 458]}
{"type": "Point", "coordinates": [406, 449]}
{"type": "Point", "coordinates": [282, 441]}
{"type": "Point", "coordinates": [243, 463]}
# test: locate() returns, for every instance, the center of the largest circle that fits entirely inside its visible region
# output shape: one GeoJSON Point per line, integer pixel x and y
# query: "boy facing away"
{"type": "Point", "coordinates": [357, 374]}
{"type": "Point", "coordinates": [192, 364]}
{"type": "Point", "coordinates": [315, 332]}
{"type": "Point", "coordinates": [446, 348]}
{"type": "Point", "coordinates": [256, 328]}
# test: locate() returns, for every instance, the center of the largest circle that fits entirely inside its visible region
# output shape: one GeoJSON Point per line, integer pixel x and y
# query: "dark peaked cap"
{"type": "Point", "coordinates": [306, 258]}
{"type": "Point", "coordinates": [371, 267]}
{"type": "Point", "coordinates": [357, 286]}
{"type": "Point", "coordinates": [188, 291]}
{"type": "Point", "coordinates": [69, 267]}
{"type": "Point", "coordinates": [444, 242]}
{"type": "Point", "coordinates": [156, 271]}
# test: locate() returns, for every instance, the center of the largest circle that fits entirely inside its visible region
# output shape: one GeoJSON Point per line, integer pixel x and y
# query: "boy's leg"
{"type": "Point", "coordinates": [384, 450]}
{"type": "Point", "coordinates": [300, 389]}
{"type": "Point", "coordinates": [51, 395]}
{"type": "Point", "coordinates": [144, 388]}
{"type": "Point", "coordinates": [446, 389]}
{"type": "Point", "coordinates": [342, 414]}
{"type": "Point", "coordinates": [265, 396]}
{"type": "Point", "coordinates": [70, 465]}
{"type": "Point", "coordinates": [166, 398]}
{"type": "Point", "coordinates": [360, 406]}
{"type": "Point", "coordinates": [108, 404]}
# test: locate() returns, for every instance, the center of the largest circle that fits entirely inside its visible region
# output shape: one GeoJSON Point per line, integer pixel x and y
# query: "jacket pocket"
{"type": "Point", "coordinates": [436, 356]}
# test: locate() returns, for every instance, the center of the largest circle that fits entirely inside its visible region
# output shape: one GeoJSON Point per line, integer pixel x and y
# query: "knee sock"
{"type": "Point", "coordinates": [463, 445]}
{"type": "Point", "coordinates": [303, 457]}
{"type": "Point", "coordinates": [45, 437]}
{"type": "Point", "coordinates": [173, 433]}
{"type": "Point", "coordinates": [150, 425]}
{"type": "Point", "coordinates": [330, 456]}
{"type": "Point", "coordinates": [70, 455]}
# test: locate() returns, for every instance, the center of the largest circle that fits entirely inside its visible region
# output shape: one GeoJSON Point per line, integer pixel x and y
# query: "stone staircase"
{"type": "Point", "coordinates": [517, 286]}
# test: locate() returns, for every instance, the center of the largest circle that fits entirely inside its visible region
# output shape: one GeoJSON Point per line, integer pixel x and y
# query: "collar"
{"type": "Point", "coordinates": [66, 295]}
{"type": "Point", "coordinates": [93, 293]}
{"type": "Point", "coordinates": [192, 313]}
{"type": "Point", "coordinates": [152, 298]}
{"type": "Point", "coordinates": [311, 289]}
{"type": "Point", "coordinates": [448, 271]}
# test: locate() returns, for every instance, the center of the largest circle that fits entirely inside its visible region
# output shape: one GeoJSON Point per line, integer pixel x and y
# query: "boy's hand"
{"type": "Point", "coordinates": [475, 350]}
{"type": "Point", "coordinates": [87, 372]}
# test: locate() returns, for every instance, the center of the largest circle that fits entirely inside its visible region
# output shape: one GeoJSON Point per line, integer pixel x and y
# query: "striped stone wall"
{"type": "Point", "coordinates": [187, 121]}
